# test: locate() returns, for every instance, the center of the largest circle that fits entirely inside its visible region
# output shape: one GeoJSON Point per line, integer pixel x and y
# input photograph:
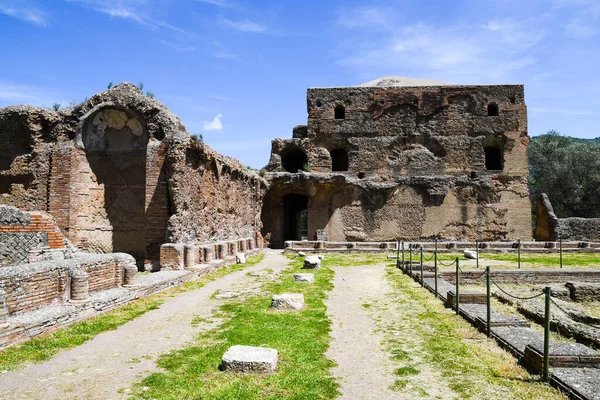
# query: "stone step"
{"type": "Point", "coordinates": [577, 383]}
{"type": "Point", "coordinates": [515, 340]}
{"type": "Point", "coordinates": [562, 355]}
{"type": "Point", "coordinates": [467, 296]}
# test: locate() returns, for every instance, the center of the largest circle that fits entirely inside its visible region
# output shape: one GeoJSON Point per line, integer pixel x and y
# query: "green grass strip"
{"type": "Point", "coordinates": [473, 365]}
{"type": "Point", "coordinates": [46, 346]}
{"type": "Point", "coordinates": [301, 338]}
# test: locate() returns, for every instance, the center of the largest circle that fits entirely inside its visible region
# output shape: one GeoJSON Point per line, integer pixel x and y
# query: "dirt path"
{"type": "Point", "coordinates": [360, 307]}
{"type": "Point", "coordinates": [104, 367]}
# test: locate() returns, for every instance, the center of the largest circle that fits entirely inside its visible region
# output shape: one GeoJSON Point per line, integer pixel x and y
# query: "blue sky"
{"type": "Point", "coordinates": [237, 71]}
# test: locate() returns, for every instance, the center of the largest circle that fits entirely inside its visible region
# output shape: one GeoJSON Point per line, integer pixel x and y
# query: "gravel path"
{"type": "Point", "coordinates": [360, 307]}
{"type": "Point", "coordinates": [106, 366]}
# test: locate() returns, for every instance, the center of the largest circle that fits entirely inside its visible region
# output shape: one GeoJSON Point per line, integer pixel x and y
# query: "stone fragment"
{"type": "Point", "coordinates": [304, 277]}
{"type": "Point", "coordinates": [470, 254]}
{"type": "Point", "coordinates": [320, 257]}
{"type": "Point", "coordinates": [227, 295]}
{"type": "Point", "coordinates": [288, 301]}
{"type": "Point", "coordinates": [249, 359]}
{"type": "Point", "coordinates": [312, 262]}
{"type": "Point", "coordinates": [301, 254]}
{"type": "Point", "coordinates": [240, 258]}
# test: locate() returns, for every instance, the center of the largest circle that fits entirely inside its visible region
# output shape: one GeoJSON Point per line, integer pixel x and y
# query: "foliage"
{"type": "Point", "coordinates": [141, 85]}
{"type": "Point", "coordinates": [150, 94]}
{"type": "Point", "coordinates": [110, 85]}
{"type": "Point", "coordinates": [198, 137]}
{"type": "Point", "coordinates": [262, 173]}
{"type": "Point", "coordinates": [56, 106]}
{"type": "Point", "coordinates": [306, 167]}
{"type": "Point", "coordinates": [568, 171]}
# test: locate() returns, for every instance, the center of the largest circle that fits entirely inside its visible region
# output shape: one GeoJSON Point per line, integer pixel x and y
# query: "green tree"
{"type": "Point", "coordinates": [568, 171]}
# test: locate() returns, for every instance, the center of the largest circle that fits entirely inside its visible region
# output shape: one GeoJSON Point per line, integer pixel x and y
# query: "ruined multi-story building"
{"type": "Point", "coordinates": [120, 173]}
{"type": "Point", "coordinates": [377, 163]}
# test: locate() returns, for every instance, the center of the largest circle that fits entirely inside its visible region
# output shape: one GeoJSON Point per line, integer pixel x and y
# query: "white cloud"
{"type": "Point", "coordinates": [582, 16]}
{"type": "Point", "coordinates": [243, 26]}
{"type": "Point", "coordinates": [15, 93]}
{"type": "Point", "coordinates": [215, 124]}
{"type": "Point", "coordinates": [458, 53]}
{"type": "Point", "coordinates": [177, 46]}
{"type": "Point", "coordinates": [367, 18]}
{"type": "Point", "coordinates": [135, 10]}
{"type": "Point", "coordinates": [218, 3]}
{"type": "Point", "coordinates": [23, 10]}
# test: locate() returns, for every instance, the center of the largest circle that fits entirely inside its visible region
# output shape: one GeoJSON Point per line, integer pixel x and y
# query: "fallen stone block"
{"type": "Point", "coordinates": [240, 258]}
{"type": "Point", "coordinates": [249, 359]}
{"type": "Point", "coordinates": [288, 301]}
{"type": "Point", "coordinates": [312, 262]}
{"type": "Point", "coordinates": [470, 254]}
{"type": "Point", "coordinates": [304, 277]}
{"type": "Point", "coordinates": [301, 254]}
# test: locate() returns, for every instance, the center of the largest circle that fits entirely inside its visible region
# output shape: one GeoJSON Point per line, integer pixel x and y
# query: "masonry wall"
{"type": "Point", "coordinates": [214, 198]}
{"type": "Point", "coordinates": [416, 165]}
{"type": "Point", "coordinates": [24, 233]}
{"type": "Point", "coordinates": [550, 227]}
{"type": "Point", "coordinates": [119, 173]}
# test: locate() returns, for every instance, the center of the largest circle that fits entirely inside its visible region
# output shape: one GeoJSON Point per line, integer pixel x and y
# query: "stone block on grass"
{"type": "Point", "coordinates": [249, 359]}
{"type": "Point", "coordinates": [288, 301]}
{"type": "Point", "coordinates": [304, 277]}
{"type": "Point", "coordinates": [312, 262]}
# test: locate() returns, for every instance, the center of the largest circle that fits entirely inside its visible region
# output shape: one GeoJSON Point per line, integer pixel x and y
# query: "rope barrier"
{"type": "Point", "coordinates": [430, 258]}
{"type": "Point", "coordinates": [478, 276]}
{"type": "Point", "coordinates": [516, 297]}
{"type": "Point", "coordinates": [569, 315]}
{"type": "Point", "coordinates": [446, 265]}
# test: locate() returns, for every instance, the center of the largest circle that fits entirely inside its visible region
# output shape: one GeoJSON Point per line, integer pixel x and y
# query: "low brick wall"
{"type": "Point", "coordinates": [28, 287]}
{"type": "Point", "coordinates": [527, 276]}
{"type": "Point", "coordinates": [443, 247]}
{"type": "Point", "coordinates": [178, 256]}
{"type": "Point", "coordinates": [583, 291]}
{"type": "Point", "coordinates": [22, 232]}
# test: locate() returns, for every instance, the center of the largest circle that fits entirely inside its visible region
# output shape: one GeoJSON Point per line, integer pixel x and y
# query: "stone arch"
{"type": "Point", "coordinates": [294, 159]}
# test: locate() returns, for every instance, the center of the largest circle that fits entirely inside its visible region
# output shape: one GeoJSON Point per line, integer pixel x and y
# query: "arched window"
{"type": "Point", "coordinates": [339, 112]}
{"type": "Point", "coordinates": [294, 160]}
{"type": "Point", "coordinates": [494, 159]}
{"type": "Point", "coordinates": [492, 110]}
{"type": "Point", "coordinates": [339, 160]}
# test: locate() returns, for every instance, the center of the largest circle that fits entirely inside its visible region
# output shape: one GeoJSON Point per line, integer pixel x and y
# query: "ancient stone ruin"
{"type": "Point", "coordinates": [380, 163]}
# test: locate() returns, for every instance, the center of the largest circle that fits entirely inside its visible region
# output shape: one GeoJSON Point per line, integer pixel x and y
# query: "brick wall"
{"type": "Point", "coordinates": [21, 232]}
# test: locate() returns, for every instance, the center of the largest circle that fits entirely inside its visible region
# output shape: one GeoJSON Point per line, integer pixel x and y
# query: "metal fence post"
{"type": "Point", "coordinates": [560, 249]}
{"type": "Point", "coordinates": [457, 299]}
{"type": "Point", "coordinates": [489, 301]}
{"type": "Point", "coordinates": [477, 253]}
{"type": "Point", "coordinates": [422, 283]}
{"type": "Point", "coordinates": [435, 267]}
{"type": "Point", "coordinates": [548, 292]}
{"type": "Point", "coordinates": [410, 259]}
{"type": "Point", "coordinates": [519, 253]}
{"type": "Point", "coordinates": [403, 266]}
{"type": "Point", "coordinates": [397, 254]}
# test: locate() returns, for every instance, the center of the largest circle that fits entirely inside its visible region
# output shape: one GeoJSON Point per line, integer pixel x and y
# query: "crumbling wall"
{"type": "Point", "coordinates": [215, 198]}
{"type": "Point", "coordinates": [119, 173]}
{"type": "Point", "coordinates": [423, 162]}
{"type": "Point", "coordinates": [27, 236]}
{"type": "Point", "coordinates": [549, 227]}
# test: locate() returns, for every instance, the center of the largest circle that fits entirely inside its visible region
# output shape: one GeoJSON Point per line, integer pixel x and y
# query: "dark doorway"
{"type": "Point", "coordinates": [339, 112]}
{"type": "Point", "coordinates": [492, 110]}
{"type": "Point", "coordinates": [295, 209]}
{"type": "Point", "coordinates": [339, 160]}
{"type": "Point", "coordinates": [494, 159]}
{"type": "Point", "coordinates": [294, 160]}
